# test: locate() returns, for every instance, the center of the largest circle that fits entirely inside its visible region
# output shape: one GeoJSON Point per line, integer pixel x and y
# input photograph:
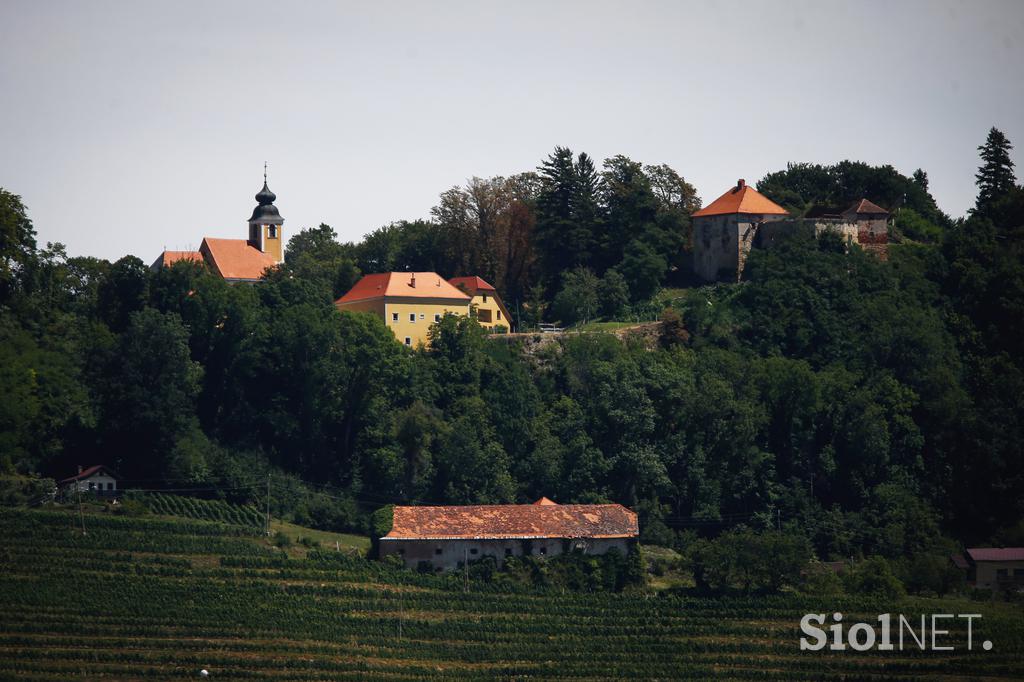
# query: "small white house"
{"type": "Point", "coordinates": [97, 479]}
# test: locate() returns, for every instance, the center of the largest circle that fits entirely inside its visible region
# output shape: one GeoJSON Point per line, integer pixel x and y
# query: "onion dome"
{"type": "Point", "coordinates": [265, 212]}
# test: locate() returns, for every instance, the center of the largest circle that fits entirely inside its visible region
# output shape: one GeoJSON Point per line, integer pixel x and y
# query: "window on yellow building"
{"type": "Point", "coordinates": [437, 317]}
{"type": "Point", "coordinates": [422, 316]}
{"type": "Point", "coordinates": [408, 341]}
{"type": "Point", "coordinates": [412, 317]}
{"type": "Point", "coordinates": [485, 298]}
{"type": "Point", "coordinates": [499, 314]}
{"type": "Point", "coordinates": [394, 317]}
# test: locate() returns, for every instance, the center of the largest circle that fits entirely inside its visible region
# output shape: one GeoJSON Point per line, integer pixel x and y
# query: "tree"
{"type": "Point", "coordinates": [578, 300]}
{"type": "Point", "coordinates": [995, 177]}
{"type": "Point", "coordinates": [124, 291]}
{"type": "Point", "coordinates": [315, 254]}
{"type": "Point", "coordinates": [613, 294]}
{"type": "Point", "coordinates": [566, 215]}
{"type": "Point", "coordinates": [17, 243]}
{"type": "Point", "coordinates": [149, 392]}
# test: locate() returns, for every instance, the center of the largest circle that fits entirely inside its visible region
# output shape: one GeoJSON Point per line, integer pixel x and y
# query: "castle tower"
{"type": "Point", "coordinates": [265, 225]}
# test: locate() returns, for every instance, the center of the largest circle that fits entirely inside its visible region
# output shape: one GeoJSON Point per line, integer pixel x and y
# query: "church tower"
{"type": "Point", "coordinates": [265, 225]}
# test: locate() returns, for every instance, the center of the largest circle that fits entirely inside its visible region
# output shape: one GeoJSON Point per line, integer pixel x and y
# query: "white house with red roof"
{"type": "Point", "coordinates": [98, 479]}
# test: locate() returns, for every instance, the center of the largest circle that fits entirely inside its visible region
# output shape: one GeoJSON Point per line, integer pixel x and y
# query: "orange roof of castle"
{"type": "Point", "coordinates": [169, 258]}
{"type": "Point", "coordinates": [509, 521]}
{"type": "Point", "coordinates": [404, 285]}
{"type": "Point", "coordinates": [742, 199]}
{"type": "Point", "coordinates": [471, 284]}
{"type": "Point", "coordinates": [236, 258]}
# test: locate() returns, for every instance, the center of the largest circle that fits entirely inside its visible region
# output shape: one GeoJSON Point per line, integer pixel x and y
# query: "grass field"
{"type": "Point", "coordinates": [152, 598]}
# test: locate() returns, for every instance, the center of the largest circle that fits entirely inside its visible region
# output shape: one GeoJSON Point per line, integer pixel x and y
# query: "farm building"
{"type": "Point", "coordinates": [97, 479]}
{"type": "Point", "coordinates": [447, 537]}
{"type": "Point", "coordinates": [993, 567]}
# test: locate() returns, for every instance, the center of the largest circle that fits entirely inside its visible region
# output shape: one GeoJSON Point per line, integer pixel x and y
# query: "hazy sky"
{"type": "Point", "coordinates": [130, 126]}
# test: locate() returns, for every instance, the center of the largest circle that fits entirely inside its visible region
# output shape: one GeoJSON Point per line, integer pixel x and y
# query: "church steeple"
{"type": "Point", "coordinates": [265, 223]}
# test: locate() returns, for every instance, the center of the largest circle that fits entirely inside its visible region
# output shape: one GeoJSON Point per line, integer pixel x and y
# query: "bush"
{"type": "Point", "coordinates": [281, 540]}
{"type": "Point", "coordinates": [749, 561]}
{"type": "Point", "coordinates": [820, 579]}
{"type": "Point", "coordinates": [873, 577]}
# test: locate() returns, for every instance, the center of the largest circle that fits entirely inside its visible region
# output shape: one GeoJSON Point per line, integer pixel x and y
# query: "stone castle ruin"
{"type": "Point", "coordinates": [727, 229]}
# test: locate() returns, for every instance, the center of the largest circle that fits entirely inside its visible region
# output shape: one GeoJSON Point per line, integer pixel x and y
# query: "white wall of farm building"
{"type": "Point", "coordinates": [449, 554]}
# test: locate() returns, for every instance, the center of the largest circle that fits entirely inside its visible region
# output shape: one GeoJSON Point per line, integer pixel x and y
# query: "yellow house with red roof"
{"type": "Point", "coordinates": [490, 311]}
{"type": "Point", "coordinates": [240, 260]}
{"type": "Point", "coordinates": [409, 302]}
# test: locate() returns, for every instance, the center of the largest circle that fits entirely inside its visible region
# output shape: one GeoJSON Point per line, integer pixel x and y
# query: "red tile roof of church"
{"type": "Point", "coordinates": [169, 258]}
{"type": "Point", "coordinates": [236, 258]}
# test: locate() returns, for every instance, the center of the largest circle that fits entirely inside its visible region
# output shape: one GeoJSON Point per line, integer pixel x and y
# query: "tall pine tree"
{"type": "Point", "coordinates": [995, 176]}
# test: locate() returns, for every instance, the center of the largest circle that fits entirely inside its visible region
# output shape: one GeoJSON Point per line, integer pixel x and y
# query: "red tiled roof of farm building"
{"type": "Point", "coordinates": [471, 284]}
{"type": "Point", "coordinates": [402, 284]}
{"type": "Point", "coordinates": [236, 258]}
{"type": "Point", "coordinates": [996, 553]}
{"type": "Point", "coordinates": [513, 521]}
{"type": "Point", "coordinates": [742, 198]}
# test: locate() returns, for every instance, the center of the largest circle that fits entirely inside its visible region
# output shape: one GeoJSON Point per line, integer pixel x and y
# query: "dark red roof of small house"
{"type": "Point", "coordinates": [91, 471]}
{"type": "Point", "coordinates": [865, 206]}
{"type": "Point", "coordinates": [507, 521]}
{"type": "Point", "coordinates": [959, 561]}
{"type": "Point", "coordinates": [996, 553]}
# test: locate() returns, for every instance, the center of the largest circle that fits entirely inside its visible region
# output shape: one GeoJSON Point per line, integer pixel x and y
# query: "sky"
{"type": "Point", "coordinates": [130, 127]}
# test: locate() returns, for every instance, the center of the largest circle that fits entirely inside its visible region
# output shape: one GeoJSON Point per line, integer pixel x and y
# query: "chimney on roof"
{"type": "Point", "coordinates": [741, 183]}
{"type": "Point", "coordinates": [412, 282]}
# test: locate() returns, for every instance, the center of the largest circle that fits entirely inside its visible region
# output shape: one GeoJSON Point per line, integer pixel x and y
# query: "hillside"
{"type": "Point", "coordinates": [160, 598]}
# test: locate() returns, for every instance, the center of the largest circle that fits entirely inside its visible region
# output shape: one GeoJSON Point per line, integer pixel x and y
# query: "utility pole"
{"type": "Point", "coordinates": [465, 565]}
{"type": "Point", "coordinates": [81, 516]}
{"type": "Point", "coordinates": [268, 505]}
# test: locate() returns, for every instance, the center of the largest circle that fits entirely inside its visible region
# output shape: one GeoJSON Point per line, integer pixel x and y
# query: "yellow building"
{"type": "Point", "coordinates": [408, 302]}
{"type": "Point", "coordinates": [490, 311]}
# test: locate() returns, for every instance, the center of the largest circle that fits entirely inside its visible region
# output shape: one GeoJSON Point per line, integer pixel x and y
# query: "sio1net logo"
{"type": "Point", "coordinates": [891, 635]}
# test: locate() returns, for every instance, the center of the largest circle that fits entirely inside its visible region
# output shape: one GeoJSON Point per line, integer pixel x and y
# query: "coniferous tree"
{"type": "Point", "coordinates": [995, 176]}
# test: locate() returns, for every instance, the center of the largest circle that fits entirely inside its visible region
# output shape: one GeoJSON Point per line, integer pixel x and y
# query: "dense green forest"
{"type": "Point", "coordinates": [872, 407]}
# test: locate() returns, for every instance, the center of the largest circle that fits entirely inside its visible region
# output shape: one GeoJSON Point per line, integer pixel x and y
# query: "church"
{"type": "Point", "coordinates": [240, 260]}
